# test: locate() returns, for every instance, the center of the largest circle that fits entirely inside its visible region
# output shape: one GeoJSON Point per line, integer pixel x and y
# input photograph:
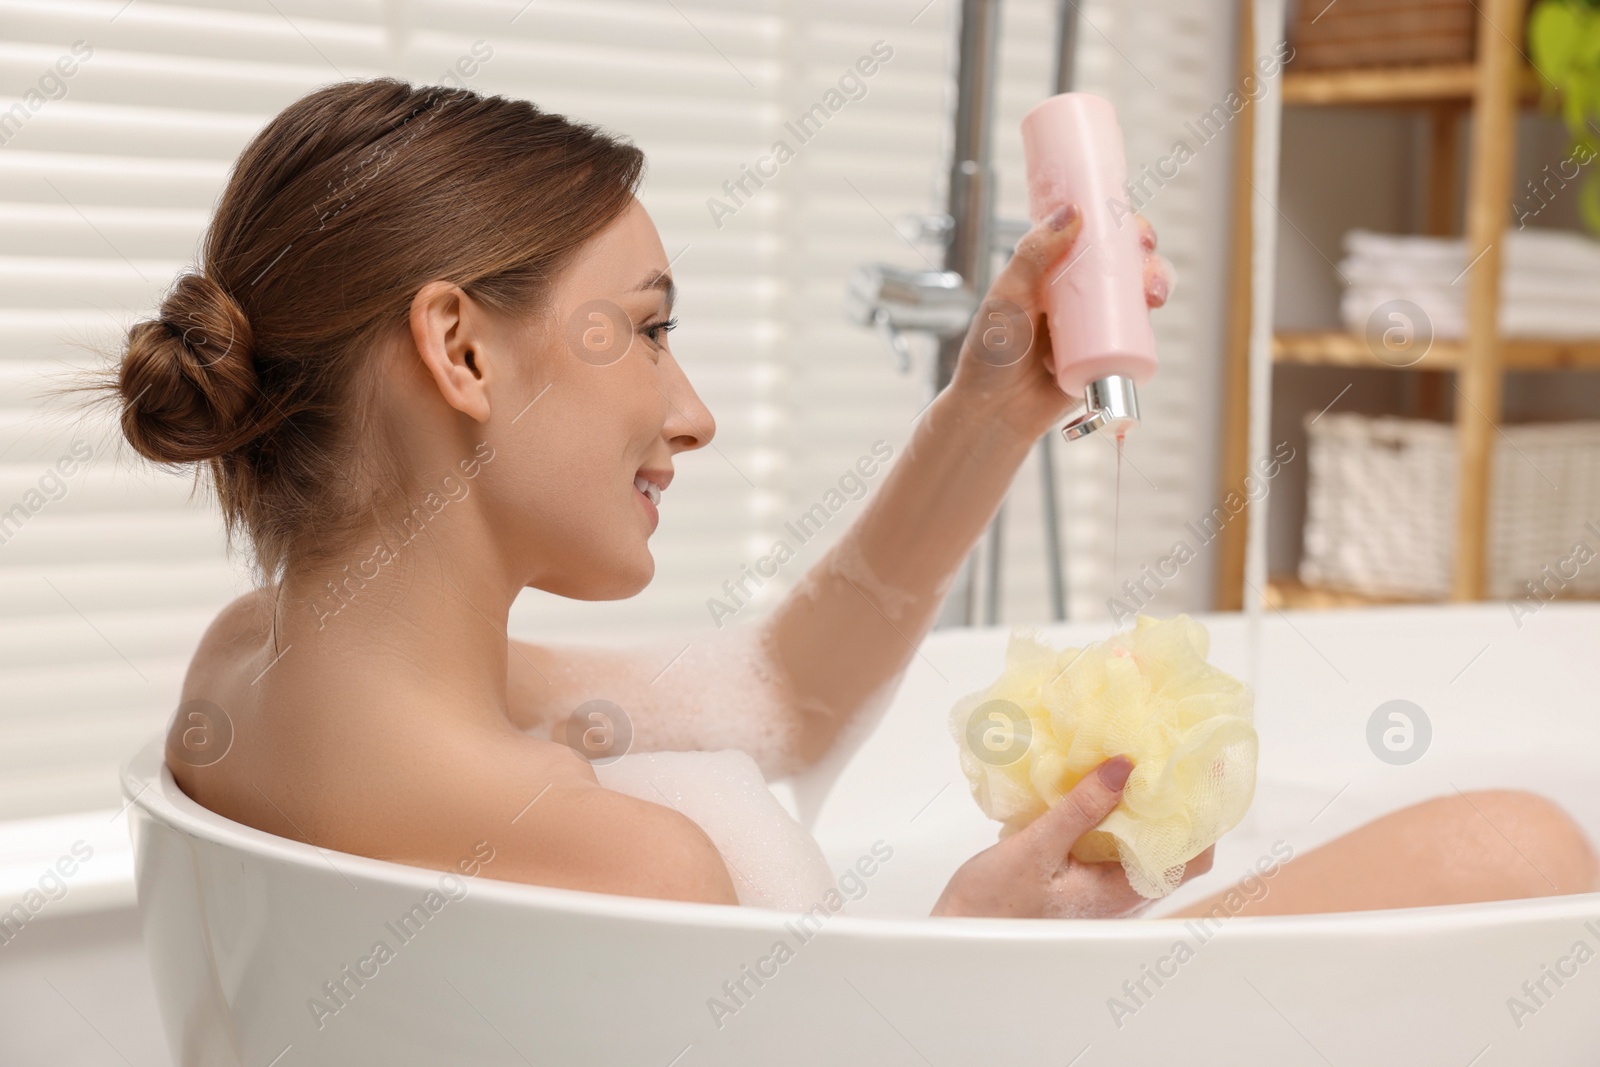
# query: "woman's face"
{"type": "Point", "coordinates": [605, 406]}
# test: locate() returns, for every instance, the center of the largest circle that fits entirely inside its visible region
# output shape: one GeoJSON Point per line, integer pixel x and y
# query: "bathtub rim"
{"type": "Point", "coordinates": [148, 784]}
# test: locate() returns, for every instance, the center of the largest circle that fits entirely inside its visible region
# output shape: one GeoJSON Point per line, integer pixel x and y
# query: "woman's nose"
{"type": "Point", "coordinates": [689, 423]}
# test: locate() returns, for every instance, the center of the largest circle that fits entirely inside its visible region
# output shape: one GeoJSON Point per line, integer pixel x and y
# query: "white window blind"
{"type": "Point", "coordinates": [111, 569]}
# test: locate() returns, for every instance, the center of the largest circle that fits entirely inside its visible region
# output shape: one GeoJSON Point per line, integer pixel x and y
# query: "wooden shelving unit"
{"type": "Point", "coordinates": [1336, 348]}
{"type": "Point", "coordinates": [1487, 92]}
{"type": "Point", "coordinates": [1287, 591]}
{"type": "Point", "coordinates": [1444, 83]}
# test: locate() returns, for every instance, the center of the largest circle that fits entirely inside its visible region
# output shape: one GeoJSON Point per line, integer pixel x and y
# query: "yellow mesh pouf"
{"type": "Point", "coordinates": [1148, 693]}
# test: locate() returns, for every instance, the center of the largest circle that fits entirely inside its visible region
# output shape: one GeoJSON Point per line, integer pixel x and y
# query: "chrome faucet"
{"type": "Point", "coordinates": [900, 300]}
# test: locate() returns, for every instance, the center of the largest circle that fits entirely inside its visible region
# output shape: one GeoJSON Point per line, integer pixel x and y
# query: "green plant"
{"type": "Point", "coordinates": [1564, 42]}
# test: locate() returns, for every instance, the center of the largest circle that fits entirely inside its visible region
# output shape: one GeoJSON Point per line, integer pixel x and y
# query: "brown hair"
{"type": "Point", "coordinates": [340, 209]}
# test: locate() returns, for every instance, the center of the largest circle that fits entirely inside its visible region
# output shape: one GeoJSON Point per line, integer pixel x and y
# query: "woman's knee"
{"type": "Point", "coordinates": [1532, 844]}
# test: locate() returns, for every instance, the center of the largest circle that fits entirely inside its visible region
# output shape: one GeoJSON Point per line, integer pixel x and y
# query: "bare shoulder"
{"type": "Point", "coordinates": [328, 751]}
{"type": "Point", "coordinates": [231, 651]}
{"type": "Point", "coordinates": [233, 641]}
{"type": "Point", "coordinates": [537, 805]}
{"type": "Point", "coordinates": [248, 617]}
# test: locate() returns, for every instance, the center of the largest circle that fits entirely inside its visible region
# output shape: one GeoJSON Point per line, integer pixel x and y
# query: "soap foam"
{"type": "Point", "coordinates": [731, 691]}
{"type": "Point", "coordinates": [771, 860]}
{"type": "Point", "coordinates": [722, 690]}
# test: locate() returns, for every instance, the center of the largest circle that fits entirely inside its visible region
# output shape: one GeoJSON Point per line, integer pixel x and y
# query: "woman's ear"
{"type": "Point", "coordinates": [445, 327]}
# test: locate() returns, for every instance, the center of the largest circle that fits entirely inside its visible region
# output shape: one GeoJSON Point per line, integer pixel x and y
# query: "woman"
{"type": "Point", "coordinates": [426, 363]}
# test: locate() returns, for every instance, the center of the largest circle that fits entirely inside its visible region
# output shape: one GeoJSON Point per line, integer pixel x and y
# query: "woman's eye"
{"type": "Point", "coordinates": [657, 331]}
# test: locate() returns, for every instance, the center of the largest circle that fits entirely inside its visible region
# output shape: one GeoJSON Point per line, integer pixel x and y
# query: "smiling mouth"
{"type": "Point", "coordinates": [648, 488]}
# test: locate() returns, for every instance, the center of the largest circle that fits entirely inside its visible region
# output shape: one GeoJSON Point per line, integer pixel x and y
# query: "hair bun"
{"type": "Point", "coordinates": [188, 378]}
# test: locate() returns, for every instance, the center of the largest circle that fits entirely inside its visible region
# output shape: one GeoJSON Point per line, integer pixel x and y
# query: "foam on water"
{"type": "Point", "coordinates": [773, 861]}
{"type": "Point", "coordinates": [735, 694]}
{"type": "Point", "coordinates": [723, 690]}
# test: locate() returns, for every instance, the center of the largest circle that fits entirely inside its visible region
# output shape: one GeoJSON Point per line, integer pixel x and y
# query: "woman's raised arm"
{"type": "Point", "coordinates": [784, 687]}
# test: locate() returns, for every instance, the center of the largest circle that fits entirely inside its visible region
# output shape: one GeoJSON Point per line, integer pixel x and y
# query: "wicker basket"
{"type": "Point", "coordinates": [1381, 508]}
{"type": "Point", "coordinates": [1369, 33]}
{"type": "Point", "coordinates": [1546, 497]}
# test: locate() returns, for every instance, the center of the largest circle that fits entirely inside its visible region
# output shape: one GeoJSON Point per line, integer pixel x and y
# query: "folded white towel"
{"type": "Point", "coordinates": [1550, 282]}
{"type": "Point", "coordinates": [1536, 250]}
{"type": "Point", "coordinates": [1445, 309]}
{"type": "Point", "coordinates": [1515, 284]}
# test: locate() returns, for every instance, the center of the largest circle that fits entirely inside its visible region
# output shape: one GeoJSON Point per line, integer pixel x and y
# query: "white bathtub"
{"type": "Point", "coordinates": [244, 929]}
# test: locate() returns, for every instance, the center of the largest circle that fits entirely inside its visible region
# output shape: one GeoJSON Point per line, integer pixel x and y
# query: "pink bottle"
{"type": "Point", "coordinates": [1099, 321]}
